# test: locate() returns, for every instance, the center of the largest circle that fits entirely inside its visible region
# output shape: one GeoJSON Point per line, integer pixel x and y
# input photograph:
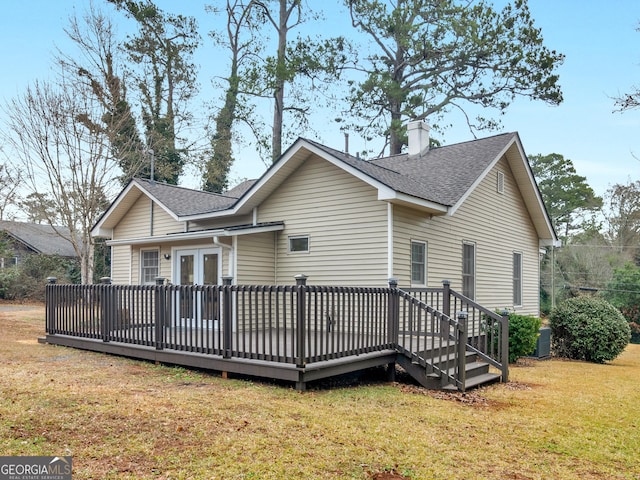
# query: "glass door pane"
{"type": "Point", "coordinates": [187, 269]}
{"type": "Point", "coordinates": [210, 269]}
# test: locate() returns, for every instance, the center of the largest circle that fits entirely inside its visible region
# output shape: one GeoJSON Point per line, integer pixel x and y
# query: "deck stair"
{"type": "Point", "coordinates": [433, 369]}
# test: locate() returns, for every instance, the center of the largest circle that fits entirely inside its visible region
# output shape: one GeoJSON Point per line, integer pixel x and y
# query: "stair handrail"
{"type": "Point", "coordinates": [450, 302]}
{"type": "Point", "coordinates": [455, 330]}
{"type": "Point", "coordinates": [489, 318]}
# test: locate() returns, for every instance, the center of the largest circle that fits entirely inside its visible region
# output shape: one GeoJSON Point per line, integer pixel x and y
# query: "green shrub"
{"type": "Point", "coordinates": [588, 328]}
{"type": "Point", "coordinates": [28, 279]}
{"type": "Point", "coordinates": [524, 331]}
{"type": "Point", "coordinates": [8, 277]}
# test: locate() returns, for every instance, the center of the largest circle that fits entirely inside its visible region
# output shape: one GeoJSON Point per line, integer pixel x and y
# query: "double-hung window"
{"type": "Point", "coordinates": [517, 278]}
{"type": "Point", "coordinates": [149, 266]}
{"type": "Point", "coordinates": [469, 270]}
{"type": "Point", "coordinates": [418, 263]}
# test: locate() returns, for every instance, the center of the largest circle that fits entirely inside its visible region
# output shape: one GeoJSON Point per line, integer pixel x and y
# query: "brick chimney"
{"type": "Point", "coordinates": [418, 133]}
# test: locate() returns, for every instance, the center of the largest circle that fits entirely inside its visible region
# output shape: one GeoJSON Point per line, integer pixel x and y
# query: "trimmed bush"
{"type": "Point", "coordinates": [588, 328]}
{"type": "Point", "coordinates": [524, 331]}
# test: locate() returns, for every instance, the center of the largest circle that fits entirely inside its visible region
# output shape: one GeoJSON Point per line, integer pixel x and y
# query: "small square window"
{"type": "Point", "coordinates": [299, 244]}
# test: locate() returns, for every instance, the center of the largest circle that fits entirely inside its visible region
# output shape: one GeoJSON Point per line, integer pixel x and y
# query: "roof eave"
{"type": "Point", "coordinates": [203, 234]}
{"type": "Point", "coordinates": [398, 198]}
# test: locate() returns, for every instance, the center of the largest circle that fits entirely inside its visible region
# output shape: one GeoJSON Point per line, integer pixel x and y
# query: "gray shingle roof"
{"type": "Point", "coordinates": [442, 175]}
{"type": "Point", "coordinates": [446, 173]}
{"type": "Point", "coordinates": [40, 238]}
{"type": "Point", "coordinates": [185, 201]}
{"type": "Point", "coordinates": [240, 189]}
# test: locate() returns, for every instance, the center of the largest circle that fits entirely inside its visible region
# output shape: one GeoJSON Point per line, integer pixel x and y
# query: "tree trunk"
{"type": "Point", "coordinates": [278, 94]}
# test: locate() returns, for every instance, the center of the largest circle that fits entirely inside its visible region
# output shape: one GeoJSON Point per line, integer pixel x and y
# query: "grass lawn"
{"type": "Point", "coordinates": [126, 419]}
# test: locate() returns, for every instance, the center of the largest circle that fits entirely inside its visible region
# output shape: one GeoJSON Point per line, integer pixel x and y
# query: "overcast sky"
{"type": "Point", "coordinates": [599, 39]}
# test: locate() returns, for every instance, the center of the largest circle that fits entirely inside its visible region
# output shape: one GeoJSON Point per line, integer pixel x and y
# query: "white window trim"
{"type": "Point", "coordinates": [141, 266]}
{"type": "Point", "coordinates": [297, 237]}
{"type": "Point", "coordinates": [500, 182]}
{"type": "Point", "coordinates": [520, 279]}
{"type": "Point", "coordinates": [475, 255]}
{"type": "Point", "coordinates": [420, 242]}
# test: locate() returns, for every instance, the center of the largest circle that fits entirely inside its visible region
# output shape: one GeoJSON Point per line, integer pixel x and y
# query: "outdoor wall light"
{"type": "Point", "coordinates": [167, 256]}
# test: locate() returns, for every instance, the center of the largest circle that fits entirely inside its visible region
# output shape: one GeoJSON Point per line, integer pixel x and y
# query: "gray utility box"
{"type": "Point", "coordinates": [543, 346]}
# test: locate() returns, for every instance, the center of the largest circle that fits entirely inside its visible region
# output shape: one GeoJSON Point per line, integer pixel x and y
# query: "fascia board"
{"type": "Point", "coordinates": [384, 192]}
{"type": "Point", "coordinates": [480, 178]}
{"type": "Point", "coordinates": [392, 196]}
{"type": "Point", "coordinates": [538, 195]}
{"type": "Point", "coordinates": [266, 177]}
{"type": "Point", "coordinates": [99, 231]}
{"type": "Point", "coordinates": [220, 232]}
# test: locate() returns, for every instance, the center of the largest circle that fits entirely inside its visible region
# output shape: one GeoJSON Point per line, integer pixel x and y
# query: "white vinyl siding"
{"type": "Point", "coordinates": [137, 221]}
{"type": "Point", "coordinates": [497, 224]}
{"type": "Point", "coordinates": [163, 223]}
{"type": "Point", "coordinates": [120, 264]}
{"type": "Point", "coordinates": [344, 219]}
{"type": "Point", "coordinates": [256, 259]}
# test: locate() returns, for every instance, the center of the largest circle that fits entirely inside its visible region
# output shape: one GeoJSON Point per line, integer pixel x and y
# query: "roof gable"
{"type": "Point", "coordinates": [437, 181]}
{"type": "Point", "coordinates": [447, 173]}
{"type": "Point", "coordinates": [177, 201]}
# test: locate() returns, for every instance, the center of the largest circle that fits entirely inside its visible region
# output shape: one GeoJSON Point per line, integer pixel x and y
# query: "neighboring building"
{"type": "Point", "coordinates": [470, 213]}
{"type": "Point", "coordinates": [24, 239]}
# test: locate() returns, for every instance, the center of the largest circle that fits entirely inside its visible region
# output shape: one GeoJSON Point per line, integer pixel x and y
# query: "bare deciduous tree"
{"type": "Point", "coordinates": [10, 181]}
{"type": "Point", "coordinates": [97, 65]}
{"type": "Point", "coordinates": [63, 157]}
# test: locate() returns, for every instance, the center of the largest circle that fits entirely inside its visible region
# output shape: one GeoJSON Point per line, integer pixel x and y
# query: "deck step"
{"type": "Point", "coordinates": [476, 372]}
{"type": "Point", "coordinates": [477, 381]}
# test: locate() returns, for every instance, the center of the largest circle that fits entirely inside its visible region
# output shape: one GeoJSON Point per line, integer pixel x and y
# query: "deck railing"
{"type": "Point", "coordinates": [296, 324]}
{"type": "Point", "coordinates": [487, 331]}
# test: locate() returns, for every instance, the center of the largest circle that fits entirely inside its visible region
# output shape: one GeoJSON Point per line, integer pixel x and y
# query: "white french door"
{"type": "Point", "coordinates": [196, 266]}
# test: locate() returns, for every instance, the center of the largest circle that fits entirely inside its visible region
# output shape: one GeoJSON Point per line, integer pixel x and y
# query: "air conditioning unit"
{"type": "Point", "coordinates": [543, 346]}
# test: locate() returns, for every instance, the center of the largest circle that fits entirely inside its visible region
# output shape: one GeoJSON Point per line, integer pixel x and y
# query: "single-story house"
{"type": "Point", "coordinates": [25, 238]}
{"type": "Point", "coordinates": [470, 213]}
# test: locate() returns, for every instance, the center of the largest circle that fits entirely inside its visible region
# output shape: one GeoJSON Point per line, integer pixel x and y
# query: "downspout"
{"type": "Point", "coordinates": [230, 250]}
{"type": "Point", "coordinates": [151, 222]}
{"type": "Point", "coordinates": [389, 240]}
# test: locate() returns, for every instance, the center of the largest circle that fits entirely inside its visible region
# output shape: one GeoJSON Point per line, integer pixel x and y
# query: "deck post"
{"type": "Point", "coordinates": [106, 309]}
{"type": "Point", "coordinates": [227, 316]}
{"type": "Point", "coordinates": [446, 297]}
{"type": "Point", "coordinates": [50, 320]}
{"type": "Point", "coordinates": [462, 349]}
{"type": "Point", "coordinates": [301, 309]}
{"type": "Point", "coordinates": [393, 324]}
{"type": "Point", "coordinates": [504, 341]}
{"type": "Point", "coordinates": [393, 314]}
{"type": "Point", "coordinates": [446, 308]}
{"type": "Point", "coordinates": [161, 311]}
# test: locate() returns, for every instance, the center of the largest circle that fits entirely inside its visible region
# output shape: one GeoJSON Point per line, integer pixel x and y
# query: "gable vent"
{"type": "Point", "coordinates": [500, 186]}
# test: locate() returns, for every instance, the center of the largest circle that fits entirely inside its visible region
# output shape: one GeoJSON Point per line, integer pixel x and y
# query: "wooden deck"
{"type": "Point", "coordinates": [244, 361]}
{"type": "Point", "coordinates": [293, 333]}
